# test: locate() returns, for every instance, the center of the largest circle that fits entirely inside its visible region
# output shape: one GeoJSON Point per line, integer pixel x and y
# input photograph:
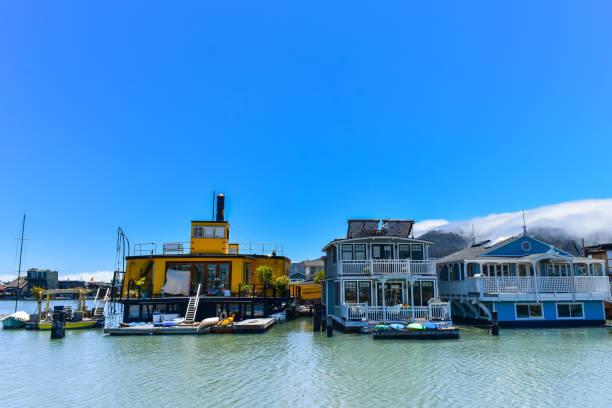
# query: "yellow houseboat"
{"type": "Point", "coordinates": [215, 274]}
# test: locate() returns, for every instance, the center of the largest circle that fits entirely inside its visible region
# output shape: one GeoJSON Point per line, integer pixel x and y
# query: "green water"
{"type": "Point", "coordinates": [289, 365]}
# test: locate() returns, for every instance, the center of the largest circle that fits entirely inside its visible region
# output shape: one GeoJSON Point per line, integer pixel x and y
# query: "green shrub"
{"type": "Point", "coordinates": [265, 274]}
{"type": "Point", "coordinates": [319, 276]}
{"type": "Point", "coordinates": [282, 282]}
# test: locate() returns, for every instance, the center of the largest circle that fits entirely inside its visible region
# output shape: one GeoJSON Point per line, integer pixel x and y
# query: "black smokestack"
{"type": "Point", "coordinates": [220, 207]}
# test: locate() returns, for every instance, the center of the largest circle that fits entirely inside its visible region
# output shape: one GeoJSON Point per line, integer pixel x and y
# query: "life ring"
{"type": "Point", "coordinates": [223, 316]}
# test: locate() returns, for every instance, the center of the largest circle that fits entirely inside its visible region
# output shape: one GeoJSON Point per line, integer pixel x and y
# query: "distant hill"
{"type": "Point", "coordinates": [445, 243]}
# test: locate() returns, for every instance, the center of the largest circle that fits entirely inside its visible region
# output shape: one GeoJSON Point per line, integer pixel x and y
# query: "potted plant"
{"type": "Point", "coordinates": [246, 289]}
{"type": "Point", "coordinates": [265, 274]}
{"type": "Point", "coordinates": [319, 276]}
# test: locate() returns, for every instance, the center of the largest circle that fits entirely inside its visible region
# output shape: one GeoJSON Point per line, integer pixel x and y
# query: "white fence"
{"type": "Point", "coordinates": [387, 267]}
{"type": "Point", "coordinates": [531, 284]}
{"type": "Point", "coordinates": [436, 311]}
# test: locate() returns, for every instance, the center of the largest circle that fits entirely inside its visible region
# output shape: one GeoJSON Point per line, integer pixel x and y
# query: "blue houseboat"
{"type": "Point", "coordinates": [371, 258]}
{"type": "Point", "coordinates": [529, 283]}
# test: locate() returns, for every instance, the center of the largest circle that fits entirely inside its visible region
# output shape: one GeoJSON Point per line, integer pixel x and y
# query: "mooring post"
{"type": "Point", "coordinates": [316, 318]}
{"type": "Point", "coordinates": [494, 324]}
{"type": "Point", "coordinates": [330, 328]}
{"type": "Point", "coordinates": [58, 325]}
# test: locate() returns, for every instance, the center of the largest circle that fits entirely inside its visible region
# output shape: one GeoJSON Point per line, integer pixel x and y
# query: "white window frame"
{"type": "Point", "coordinates": [569, 304]}
{"type": "Point", "coordinates": [528, 318]}
{"type": "Point", "coordinates": [219, 232]}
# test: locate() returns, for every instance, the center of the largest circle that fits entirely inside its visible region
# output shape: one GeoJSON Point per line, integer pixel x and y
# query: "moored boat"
{"type": "Point", "coordinates": [15, 320]}
{"type": "Point", "coordinates": [82, 318]}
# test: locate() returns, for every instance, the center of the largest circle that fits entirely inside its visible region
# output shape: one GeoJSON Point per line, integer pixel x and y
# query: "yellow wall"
{"type": "Point", "coordinates": [210, 245]}
{"type": "Point", "coordinates": [134, 267]}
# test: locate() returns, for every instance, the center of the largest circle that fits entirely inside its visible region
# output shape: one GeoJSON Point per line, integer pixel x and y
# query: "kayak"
{"type": "Point", "coordinates": [430, 326]}
{"type": "Point", "coordinates": [396, 326]}
{"type": "Point", "coordinates": [382, 327]}
{"type": "Point", "coordinates": [415, 326]}
{"type": "Point", "coordinates": [211, 321]}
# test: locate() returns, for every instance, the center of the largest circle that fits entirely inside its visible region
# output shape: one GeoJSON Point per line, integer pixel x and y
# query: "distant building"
{"type": "Point", "coordinates": [306, 270]}
{"type": "Point", "coordinates": [71, 284]}
{"type": "Point", "coordinates": [42, 278]}
{"type": "Point", "coordinates": [19, 286]}
{"type": "Point", "coordinates": [601, 251]}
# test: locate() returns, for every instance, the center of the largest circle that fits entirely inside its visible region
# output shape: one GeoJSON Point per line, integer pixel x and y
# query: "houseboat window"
{"type": "Point", "coordinates": [209, 232]}
{"type": "Point", "coordinates": [347, 252]}
{"type": "Point", "coordinates": [224, 276]}
{"type": "Point", "coordinates": [393, 293]}
{"type": "Point", "coordinates": [350, 292]}
{"type": "Point", "coordinates": [219, 232]}
{"type": "Point", "coordinates": [505, 270]}
{"type": "Point", "coordinates": [417, 252]}
{"type": "Point", "coordinates": [404, 251]}
{"type": "Point", "coordinates": [211, 278]}
{"type": "Point", "coordinates": [452, 271]}
{"type": "Point", "coordinates": [427, 292]}
{"type": "Point", "coordinates": [570, 310]}
{"type": "Point", "coordinates": [246, 273]}
{"type": "Point", "coordinates": [360, 252]}
{"type": "Point", "coordinates": [198, 278]}
{"type": "Point", "coordinates": [528, 311]}
{"type": "Point", "coordinates": [580, 270]}
{"type": "Point", "coordinates": [332, 254]}
{"type": "Point", "coordinates": [417, 293]}
{"type": "Point", "coordinates": [596, 270]}
{"type": "Point", "coordinates": [365, 292]}
{"type": "Point", "coordinates": [522, 270]}
{"type": "Point", "coordinates": [198, 232]}
{"type": "Point", "coordinates": [382, 251]}
{"type": "Point", "coordinates": [337, 293]}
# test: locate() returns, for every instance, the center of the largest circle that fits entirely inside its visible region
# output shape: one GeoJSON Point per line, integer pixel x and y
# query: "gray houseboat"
{"type": "Point", "coordinates": [376, 255]}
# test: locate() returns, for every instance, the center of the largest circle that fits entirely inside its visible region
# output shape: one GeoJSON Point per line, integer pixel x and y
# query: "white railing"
{"type": "Point", "coordinates": [531, 284]}
{"type": "Point", "coordinates": [362, 312]}
{"type": "Point", "coordinates": [257, 248]}
{"type": "Point", "coordinates": [387, 267]}
{"type": "Point", "coordinates": [244, 248]}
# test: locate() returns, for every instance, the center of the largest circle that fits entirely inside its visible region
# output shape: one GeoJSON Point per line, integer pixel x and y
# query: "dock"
{"type": "Point", "coordinates": [427, 334]}
{"type": "Point", "coordinates": [245, 326]}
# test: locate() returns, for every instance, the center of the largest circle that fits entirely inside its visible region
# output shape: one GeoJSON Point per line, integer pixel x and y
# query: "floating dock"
{"type": "Point", "coordinates": [429, 334]}
{"type": "Point", "coordinates": [245, 326]}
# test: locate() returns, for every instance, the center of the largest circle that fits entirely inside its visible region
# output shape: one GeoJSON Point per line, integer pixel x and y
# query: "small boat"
{"type": "Point", "coordinates": [16, 320]}
{"type": "Point", "coordinates": [80, 319]}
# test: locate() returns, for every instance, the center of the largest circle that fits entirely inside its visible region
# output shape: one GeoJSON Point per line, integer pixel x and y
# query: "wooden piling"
{"type": "Point", "coordinates": [330, 328]}
{"type": "Point", "coordinates": [316, 319]}
{"type": "Point", "coordinates": [494, 324]}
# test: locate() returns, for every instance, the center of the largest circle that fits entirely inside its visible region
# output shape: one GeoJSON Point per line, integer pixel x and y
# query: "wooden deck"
{"type": "Point", "coordinates": [246, 326]}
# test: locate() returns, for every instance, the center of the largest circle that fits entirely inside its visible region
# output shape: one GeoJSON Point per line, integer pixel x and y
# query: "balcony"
{"type": "Point", "coordinates": [386, 267]}
{"type": "Point", "coordinates": [539, 287]}
{"type": "Point", "coordinates": [180, 248]}
{"type": "Point", "coordinates": [393, 314]}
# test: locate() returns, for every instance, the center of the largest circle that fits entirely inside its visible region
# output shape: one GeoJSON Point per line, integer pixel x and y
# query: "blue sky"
{"type": "Point", "coordinates": [302, 114]}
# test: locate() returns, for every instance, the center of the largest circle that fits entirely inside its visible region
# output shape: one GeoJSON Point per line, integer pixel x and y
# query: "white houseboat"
{"type": "Point", "coordinates": [529, 283]}
{"type": "Point", "coordinates": [376, 255]}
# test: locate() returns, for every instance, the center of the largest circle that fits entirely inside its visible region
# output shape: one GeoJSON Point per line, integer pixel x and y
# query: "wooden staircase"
{"type": "Point", "coordinates": [192, 306]}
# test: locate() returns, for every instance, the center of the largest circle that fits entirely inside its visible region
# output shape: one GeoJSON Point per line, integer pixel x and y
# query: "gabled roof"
{"type": "Point", "coordinates": [518, 247]}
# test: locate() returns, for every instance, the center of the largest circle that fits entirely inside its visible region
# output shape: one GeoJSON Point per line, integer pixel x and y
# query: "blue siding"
{"type": "Point", "coordinates": [514, 248]}
{"type": "Point", "coordinates": [331, 298]}
{"type": "Point", "coordinates": [593, 310]}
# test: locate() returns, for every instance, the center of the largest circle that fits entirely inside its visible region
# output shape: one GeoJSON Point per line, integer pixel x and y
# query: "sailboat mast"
{"type": "Point", "coordinates": [19, 269]}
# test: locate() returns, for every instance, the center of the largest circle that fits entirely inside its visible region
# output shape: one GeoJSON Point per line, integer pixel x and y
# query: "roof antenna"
{"type": "Point", "coordinates": [213, 206]}
{"type": "Point", "coordinates": [524, 225]}
{"type": "Point", "coordinates": [473, 236]}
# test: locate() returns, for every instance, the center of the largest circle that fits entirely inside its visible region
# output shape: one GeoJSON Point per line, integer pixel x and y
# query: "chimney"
{"type": "Point", "coordinates": [220, 207]}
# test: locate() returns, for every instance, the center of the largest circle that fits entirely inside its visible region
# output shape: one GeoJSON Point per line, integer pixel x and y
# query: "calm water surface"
{"type": "Point", "coordinates": [290, 365]}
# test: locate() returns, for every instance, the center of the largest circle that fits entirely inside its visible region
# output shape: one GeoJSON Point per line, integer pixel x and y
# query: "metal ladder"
{"type": "Point", "coordinates": [100, 305]}
{"type": "Point", "coordinates": [192, 306]}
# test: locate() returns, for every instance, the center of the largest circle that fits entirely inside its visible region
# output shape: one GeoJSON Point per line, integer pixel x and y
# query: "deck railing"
{"type": "Point", "coordinates": [398, 313]}
{"type": "Point", "coordinates": [387, 267]}
{"type": "Point", "coordinates": [244, 248]}
{"type": "Point", "coordinates": [531, 284]}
